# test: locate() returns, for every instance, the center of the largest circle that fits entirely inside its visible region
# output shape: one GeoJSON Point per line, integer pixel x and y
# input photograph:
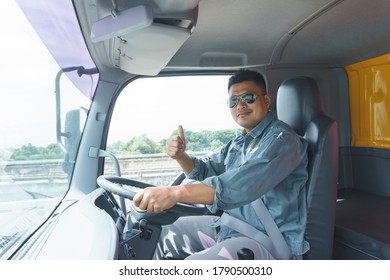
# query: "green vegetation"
{"type": "Point", "coordinates": [30, 152]}
{"type": "Point", "coordinates": [196, 142]}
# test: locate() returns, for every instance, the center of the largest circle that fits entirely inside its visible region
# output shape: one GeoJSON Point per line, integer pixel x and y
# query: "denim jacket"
{"type": "Point", "coordinates": [269, 162]}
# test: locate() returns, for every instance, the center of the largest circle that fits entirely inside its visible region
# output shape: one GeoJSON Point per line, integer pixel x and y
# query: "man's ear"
{"type": "Point", "coordinates": [268, 100]}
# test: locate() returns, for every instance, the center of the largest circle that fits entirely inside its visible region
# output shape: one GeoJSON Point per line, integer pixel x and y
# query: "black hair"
{"type": "Point", "coordinates": [247, 75]}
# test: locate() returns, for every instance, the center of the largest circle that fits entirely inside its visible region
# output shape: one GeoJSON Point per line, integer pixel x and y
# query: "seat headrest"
{"type": "Point", "coordinates": [298, 102]}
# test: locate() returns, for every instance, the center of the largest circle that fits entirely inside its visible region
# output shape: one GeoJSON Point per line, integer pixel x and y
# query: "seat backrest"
{"type": "Point", "coordinates": [299, 104]}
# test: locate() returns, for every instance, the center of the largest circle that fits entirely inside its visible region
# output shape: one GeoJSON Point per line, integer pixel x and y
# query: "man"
{"type": "Point", "coordinates": [267, 162]}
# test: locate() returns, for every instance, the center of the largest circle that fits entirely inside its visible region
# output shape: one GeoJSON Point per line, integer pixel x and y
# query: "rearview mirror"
{"type": "Point", "coordinates": [72, 135]}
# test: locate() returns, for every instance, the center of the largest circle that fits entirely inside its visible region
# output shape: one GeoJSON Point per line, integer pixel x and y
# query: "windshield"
{"type": "Point", "coordinates": [141, 147]}
{"type": "Point", "coordinates": [45, 97]}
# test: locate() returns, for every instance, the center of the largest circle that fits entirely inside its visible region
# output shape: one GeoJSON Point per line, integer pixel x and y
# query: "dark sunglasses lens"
{"type": "Point", "coordinates": [232, 101]}
{"type": "Point", "coordinates": [249, 98]}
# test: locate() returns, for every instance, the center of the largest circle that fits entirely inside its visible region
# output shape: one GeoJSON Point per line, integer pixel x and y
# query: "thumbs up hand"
{"type": "Point", "coordinates": [180, 130]}
{"type": "Point", "coordinates": [177, 145]}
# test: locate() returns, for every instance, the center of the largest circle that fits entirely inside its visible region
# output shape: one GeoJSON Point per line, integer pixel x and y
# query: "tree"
{"type": "Point", "coordinates": [117, 148]}
{"type": "Point", "coordinates": [30, 152]}
{"type": "Point", "coordinates": [142, 145]}
{"type": "Point", "coordinates": [25, 152]}
{"type": "Point", "coordinates": [205, 140]}
{"type": "Point", "coordinates": [196, 142]}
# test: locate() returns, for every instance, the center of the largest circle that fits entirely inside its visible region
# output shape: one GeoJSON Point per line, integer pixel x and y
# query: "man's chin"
{"type": "Point", "coordinates": [244, 124]}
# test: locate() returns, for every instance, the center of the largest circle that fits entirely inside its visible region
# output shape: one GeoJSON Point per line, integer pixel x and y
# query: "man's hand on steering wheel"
{"type": "Point", "coordinates": [156, 199]}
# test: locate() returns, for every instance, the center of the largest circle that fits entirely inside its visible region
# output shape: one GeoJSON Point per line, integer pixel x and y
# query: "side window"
{"type": "Point", "coordinates": [148, 113]}
{"type": "Point", "coordinates": [41, 119]}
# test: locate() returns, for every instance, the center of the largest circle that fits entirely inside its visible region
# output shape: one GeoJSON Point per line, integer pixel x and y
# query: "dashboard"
{"type": "Point", "coordinates": [80, 230]}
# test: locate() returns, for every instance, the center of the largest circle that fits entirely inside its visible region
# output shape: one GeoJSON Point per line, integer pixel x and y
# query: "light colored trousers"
{"type": "Point", "coordinates": [192, 238]}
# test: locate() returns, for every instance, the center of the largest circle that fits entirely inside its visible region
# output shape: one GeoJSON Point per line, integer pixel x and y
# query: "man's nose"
{"type": "Point", "coordinates": [241, 103]}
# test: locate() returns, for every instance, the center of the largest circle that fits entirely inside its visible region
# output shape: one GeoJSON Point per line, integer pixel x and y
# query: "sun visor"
{"type": "Point", "coordinates": [143, 39]}
{"type": "Point", "coordinates": [147, 51]}
{"type": "Point", "coordinates": [122, 23]}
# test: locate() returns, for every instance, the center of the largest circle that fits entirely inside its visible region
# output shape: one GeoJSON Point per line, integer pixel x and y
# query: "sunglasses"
{"type": "Point", "coordinates": [248, 98]}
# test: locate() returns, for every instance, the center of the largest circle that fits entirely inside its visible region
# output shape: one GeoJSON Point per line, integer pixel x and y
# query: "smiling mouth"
{"type": "Point", "coordinates": [243, 114]}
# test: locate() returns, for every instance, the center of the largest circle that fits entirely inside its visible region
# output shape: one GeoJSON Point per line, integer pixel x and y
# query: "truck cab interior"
{"type": "Point", "coordinates": [327, 68]}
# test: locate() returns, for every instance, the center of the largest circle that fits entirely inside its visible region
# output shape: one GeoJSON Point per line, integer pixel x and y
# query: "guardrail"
{"type": "Point", "coordinates": [156, 169]}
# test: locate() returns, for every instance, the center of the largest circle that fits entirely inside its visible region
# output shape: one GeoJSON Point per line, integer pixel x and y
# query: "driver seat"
{"type": "Point", "coordinates": [299, 104]}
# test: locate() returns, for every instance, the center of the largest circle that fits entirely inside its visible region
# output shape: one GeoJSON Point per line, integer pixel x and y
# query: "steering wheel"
{"type": "Point", "coordinates": [127, 188]}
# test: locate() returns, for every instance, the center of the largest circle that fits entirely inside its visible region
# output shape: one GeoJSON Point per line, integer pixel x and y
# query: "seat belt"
{"type": "Point", "coordinates": [274, 242]}
{"type": "Point", "coordinates": [249, 231]}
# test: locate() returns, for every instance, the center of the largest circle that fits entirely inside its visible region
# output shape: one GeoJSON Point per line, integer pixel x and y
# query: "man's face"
{"type": "Point", "coordinates": [249, 115]}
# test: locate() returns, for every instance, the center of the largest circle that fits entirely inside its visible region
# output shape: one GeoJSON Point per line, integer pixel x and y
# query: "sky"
{"type": "Point", "coordinates": [23, 72]}
{"type": "Point", "coordinates": [27, 92]}
{"type": "Point", "coordinates": [27, 84]}
{"type": "Point", "coordinates": [196, 103]}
